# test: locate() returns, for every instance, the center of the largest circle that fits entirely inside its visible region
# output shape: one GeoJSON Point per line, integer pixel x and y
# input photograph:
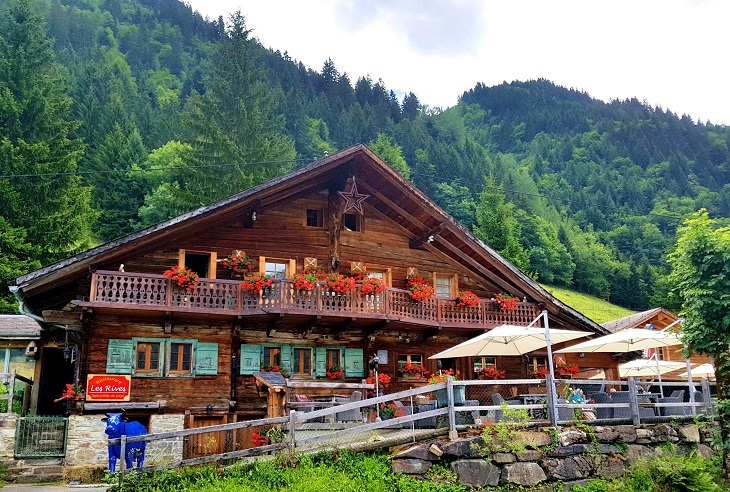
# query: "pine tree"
{"type": "Point", "coordinates": [45, 201]}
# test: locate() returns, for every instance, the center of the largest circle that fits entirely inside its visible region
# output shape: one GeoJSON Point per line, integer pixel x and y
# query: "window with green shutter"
{"type": "Point", "coordinates": [327, 356]}
{"type": "Point", "coordinates": [120, 357]}
{"type": "Point", "coordinates": [354, 363]}
{"type": "Point", "coordinates": [250, 359]}
{"type": "Point", "coordinates": [206, 359]}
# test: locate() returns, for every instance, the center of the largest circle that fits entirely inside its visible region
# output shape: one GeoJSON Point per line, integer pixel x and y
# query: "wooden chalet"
{"type": "Point", "coordinates": [198, 350]}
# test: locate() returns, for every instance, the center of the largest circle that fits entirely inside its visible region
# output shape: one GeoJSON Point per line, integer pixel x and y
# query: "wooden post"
{"type": "Point", "coordinates": [92, 291]}
{"type": "Point", "coordinates": [706, 396]}
{"type": "Point", "coordinates": [634, 399]}
{"type": "Point", "coordinates": [453, 435]}
{"type": "Point", "coordinates": [122, 456]}
{"type": "Point", "coordinates": [11, 391]}
{"type": "Point", "coordinates": [292, 422]}
{"type": "Point", "coordinates": [551, 400]}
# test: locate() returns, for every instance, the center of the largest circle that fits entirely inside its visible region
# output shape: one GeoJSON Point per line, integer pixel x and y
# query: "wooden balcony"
{"type": "Point", "coordinates": [215, 296]}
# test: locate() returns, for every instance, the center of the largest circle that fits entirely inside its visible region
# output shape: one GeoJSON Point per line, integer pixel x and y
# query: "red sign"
{"type": "Point", "coordinates": [107, 387]}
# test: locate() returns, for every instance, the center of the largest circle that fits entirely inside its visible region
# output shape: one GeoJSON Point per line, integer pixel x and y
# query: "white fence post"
{"type": "Point", "coordinates": [452, 414]}
{"type": "Point", "coordinates": [551, 400]}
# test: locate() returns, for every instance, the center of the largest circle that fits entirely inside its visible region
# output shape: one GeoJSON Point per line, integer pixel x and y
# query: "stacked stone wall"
{"type": "Point", "coordinates": [567, 455]}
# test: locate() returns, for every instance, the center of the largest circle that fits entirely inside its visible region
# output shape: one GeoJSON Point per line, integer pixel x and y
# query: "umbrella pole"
{"type": "Point", "coordinates": [691, 388]}
{"type": "Point", "coordinates": [550, 357]}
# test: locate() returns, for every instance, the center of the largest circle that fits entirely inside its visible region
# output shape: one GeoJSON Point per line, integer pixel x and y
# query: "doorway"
{"type": "Point", "coordinates": [55, 374]}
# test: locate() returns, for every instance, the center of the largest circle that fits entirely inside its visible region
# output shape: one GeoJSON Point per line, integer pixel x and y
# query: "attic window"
{"type": "Point", "coordinates": [351, 222]}
{"type": "Point", "coordinates": [314, 217]}
{"type": "Point", "coordinates": [201, 262]}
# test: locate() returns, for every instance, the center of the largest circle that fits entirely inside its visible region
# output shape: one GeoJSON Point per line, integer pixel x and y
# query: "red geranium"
{"type": "Point", "coordinates": [304, 281]}
{"type": "Point", "coordinates": [239, 262]}
{"type": "Point", "coordinates": [259, 438]}
{"type": "Point", "coordinates": [73, 392]}
{"type": "Point", "coordinates": [339, 283]}
{"type": "Point", "coordinates": [256, 282]}
{"type": "Point", "coordinates": [506, 303]}
{"type": "Point", "coordinates": [372, 285]}
{"type": "Point", "coordinates": [490, 372]}
{"type": "Point", "coordinates": [467, 298]}
{"type": "Point", "coordinates": [383, 382]}
{"type": "Point", "coordinates": [183, 277]}
{"type": "Point", "coordinates": [335, 372]}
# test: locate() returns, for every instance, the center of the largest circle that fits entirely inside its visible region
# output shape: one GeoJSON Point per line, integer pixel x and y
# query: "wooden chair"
{"type": "Point", "coordinates": [354, 415]}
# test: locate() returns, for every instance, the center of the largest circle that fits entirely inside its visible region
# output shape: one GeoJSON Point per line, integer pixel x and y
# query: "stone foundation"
{"type": "Point", "coordinates": [576, 457]}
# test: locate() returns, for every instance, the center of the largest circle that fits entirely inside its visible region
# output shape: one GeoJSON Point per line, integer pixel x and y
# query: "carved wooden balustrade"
{"type": "Point", "coordinates": [140, 290]}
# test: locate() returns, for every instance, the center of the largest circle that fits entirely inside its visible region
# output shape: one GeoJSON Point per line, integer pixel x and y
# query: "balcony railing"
{"type": "Point", "coordinates": [139, 290]}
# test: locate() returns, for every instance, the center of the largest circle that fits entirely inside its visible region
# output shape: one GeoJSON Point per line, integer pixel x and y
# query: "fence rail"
{"type": "Point", "coordinates": [122, 289]}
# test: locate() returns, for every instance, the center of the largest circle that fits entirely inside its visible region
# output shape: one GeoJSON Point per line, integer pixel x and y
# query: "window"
{"type": "Point", "coordinates": [383, 274]}
{"type": "Point", "coordinates": [333, 358]}
{"type": "Point", "coordinates": [302, 362]}
{"type": "Point", "coordinates": [148, 358]}
{"type": "Point", "coordinates": [272, 356]}
{"type": "Point", "coordinates": [181, 358]}
{"type": "Point", "coordinates": [537, 364]}
{"type": "Point", "coordinates": [278, 268]}
{"type": "Point", "coordinates": [201, 262]}
{"type": "Point", "coordinates": [445, 285]}
{"type": "Point", "coordinates": [351, 222]}
{"type": "Point", "coordinates": [314, 217]}
{"type": "Point", "coordinates": [158, 357]}
{"type": "Point", "coordinates": [410, 360]}
{"type": "Point", "coordinates": [481, 363]}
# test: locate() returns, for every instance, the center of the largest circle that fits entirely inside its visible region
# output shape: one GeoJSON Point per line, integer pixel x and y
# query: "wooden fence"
{"type": "Point", "coordinates": [461, 404]}
{"type": "Point", "coordinates": [12, 379]}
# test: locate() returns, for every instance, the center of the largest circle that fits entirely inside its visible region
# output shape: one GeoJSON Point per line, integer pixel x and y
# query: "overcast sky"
{"type": "Point", "coordinates": [671, 53]}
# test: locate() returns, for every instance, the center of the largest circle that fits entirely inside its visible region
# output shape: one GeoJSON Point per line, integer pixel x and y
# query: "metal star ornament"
{"type": "Point", "coordinates": [353, 199]}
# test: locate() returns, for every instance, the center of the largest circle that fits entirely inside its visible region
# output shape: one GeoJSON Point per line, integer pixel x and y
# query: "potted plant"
{"type": "Point", "coordinates": [419, 286]}
{"type": "Point", "coordinates": [183, 277]}
{"type": "Point", "coordinates": [389, 411]}
{"type": "Point", "coordinates": [565, 368]}
{"type": "Point", "coordinates": [506, 302]}
{"type": "Point", "coordinates": [490, 372]}
{"type": "Point", "coordinates": [256, 282]}
{"type": "Point", "coordinates": [413, 371]}
{"type": "Point", "coordinates": [239, 263]}
{"type": "Point", "coordinates": [383, 383]}
{"type": "Point", "coordinates": [304, 281]}
{"type": "Point", "coordinates": [274, 368]}
{"type": "Point", "coordinates": [73, 392]}
{"type": "Point", "coordinates": [372, 286]}
{"type": "Point", "coordinates": [467, 298]}
{"type": "Point", "coordinates": [335, 372]}
{"type": "Point", "coordinates": [339, 284]}
{"type": "Point", "coordinates": [441, 395]}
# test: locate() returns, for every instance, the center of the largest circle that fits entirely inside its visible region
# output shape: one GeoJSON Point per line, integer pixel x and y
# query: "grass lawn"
{"type": "Point", "coordinates": [596, 309]}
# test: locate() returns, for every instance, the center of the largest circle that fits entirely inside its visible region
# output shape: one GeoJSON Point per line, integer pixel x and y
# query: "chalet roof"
{"type": "Point", "coordinates": [660, 317]}
{"type": "Point", "coordinates": [391, 194]}
{"type": "Point", "coordinates": [17, 326]}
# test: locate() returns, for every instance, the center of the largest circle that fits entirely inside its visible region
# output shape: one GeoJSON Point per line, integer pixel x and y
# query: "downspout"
{"type": "Point", "coordinates": [21, 305]}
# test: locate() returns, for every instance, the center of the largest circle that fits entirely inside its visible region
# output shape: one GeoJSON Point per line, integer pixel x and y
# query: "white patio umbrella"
{"type": "Point", "coordinates": [648, 368]}
{"type": "Point", "coordinates": [625, 341]}
{"type": "Point", "coordinates": [509, 340]}
{"type": "Point", "coordinates": [703, 370]}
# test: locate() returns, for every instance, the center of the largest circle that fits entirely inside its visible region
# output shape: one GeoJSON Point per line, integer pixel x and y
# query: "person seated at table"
{"type": "Point", "coordinates": [577, 396]}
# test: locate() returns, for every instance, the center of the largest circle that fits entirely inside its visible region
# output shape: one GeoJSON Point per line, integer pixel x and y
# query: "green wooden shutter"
{"type": "Point", "coordinates": [206, 359]}
{"type": "Point", "coordinates": [120, 357]}
{"type": "Point", "coordinates": [354, 366]}
{"type": "Point", "coordinates": [286, 359]}
{"type": "Point", "coordinates": [320, 362]}
{"type": "Point", "coordinates": [250, 359]}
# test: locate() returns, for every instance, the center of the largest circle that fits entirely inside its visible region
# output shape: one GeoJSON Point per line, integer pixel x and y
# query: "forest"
{"type": "Point", "coordinates": [119, 114]}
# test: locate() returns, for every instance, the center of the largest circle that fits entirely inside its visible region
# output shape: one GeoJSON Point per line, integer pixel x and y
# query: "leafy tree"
{"type": "Point", "coordinates": [391, 154]}
{"type": "Point", "coordinates": [701, 278]}
{"type": "Point", "coordinates": [497, 225]}
{"type": "Point", "coordinates": [46, 202]}
{"type": "Point", "coordinates": [15, 254]}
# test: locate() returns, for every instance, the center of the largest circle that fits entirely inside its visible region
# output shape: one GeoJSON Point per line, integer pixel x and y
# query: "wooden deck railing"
{"type": "Point", "coordinates": [122, 289]}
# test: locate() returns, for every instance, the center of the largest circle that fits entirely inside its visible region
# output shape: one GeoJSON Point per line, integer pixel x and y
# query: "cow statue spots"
{"type": "Point", "coordinates": [117, 426]}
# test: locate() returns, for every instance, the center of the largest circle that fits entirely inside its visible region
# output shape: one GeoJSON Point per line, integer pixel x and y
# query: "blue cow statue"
{"type": "Point", "coordinates": [117, 426]}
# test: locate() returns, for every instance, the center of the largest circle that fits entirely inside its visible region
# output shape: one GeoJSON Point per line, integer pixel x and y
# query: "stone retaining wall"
{"type": "Point", "coordinates": [575, 457]}
{"type": "Point", "coordinates": [86, 442]}
{"type": "Point", "coordinates": [8, 423]}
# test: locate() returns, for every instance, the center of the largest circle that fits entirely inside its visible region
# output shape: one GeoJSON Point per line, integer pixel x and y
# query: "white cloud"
{"type": "Point", "coordinates": [667, 52]}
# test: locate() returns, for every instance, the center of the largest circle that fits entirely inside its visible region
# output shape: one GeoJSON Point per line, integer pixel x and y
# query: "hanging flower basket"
{"type": "Point", "coordinates": [565, 368]}
{"type": "Point", "coordinates": [467, 298]}
{"type": "Point", "coordinates": [420, 287]}
{"type": "Point", "coordinates": [239, 263]}
{"type": "Point", "coordinates": [183, 277]}
{"type": "Point", "coordinates": [256, 282]}
{"type": "Point", "coordinates": [372, 286]}
{"type": "Point", "coordinates": [506, 302]}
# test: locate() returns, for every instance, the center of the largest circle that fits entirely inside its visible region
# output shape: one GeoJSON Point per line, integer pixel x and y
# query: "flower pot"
{"type": "Point", "coordinates": [459, 396]}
